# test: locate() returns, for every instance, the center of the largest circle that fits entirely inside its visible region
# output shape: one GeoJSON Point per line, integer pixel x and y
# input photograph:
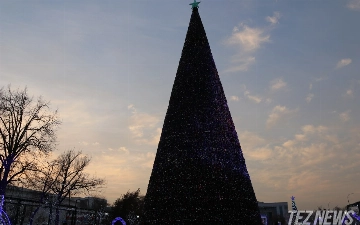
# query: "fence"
{"type": "Point", "coordinates": [20, 211]}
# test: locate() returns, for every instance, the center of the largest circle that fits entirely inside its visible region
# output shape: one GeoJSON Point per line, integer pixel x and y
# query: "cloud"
{"type": "Point", "coordinates": [310, 86]}
{"type": "Point", "coordinates": [345, 116]}
{"type": "Point", "coordinates": [153, 139]}
{"type": "Point", "coordinates": [277, 113]}
{"type": "Point", "coordinates": [132, 107]}
{"type": "Point", "coordinates": [353, 5]}
{"type": "Point", "coordinates": [144, 127]}
{"type": "Point", "coordinates": [254, 146]}
{"type": "Point", "coordinates": [310, 129]}
{"type": "Point", "coordinates": [234, 98]}
{"type": "Point", "coordinates": [318, 79]}
{"type": "Point", "coordinates": [121, 150]}
{"type": "Point", "coordinates": [318, 156]}
{"type": "Point", "coordinates": [349, 93]}
{"type": "Point", "coordinates": [145, 160]}
{"type": "Point", "coordinates": [253, 98]}
{"type": "Point", "coordinates": [251, 140]}
{"type": "Point", "coordinates": [124, 150]}
{"type": "Point", "coordinates": [242, 63]}
{"type": "Point", "coordinates": [247, 38]}
{"type": "Point", "coordinates": [277, 84]}
{"type": "Point", "coordinates": [309, 97]}
{"type": "Point", "coordinates": [141, 121]}
{"type": "Point", "coordinates": [274, 19]}
{"type": "Point", "coordinates": [259, 154]}
{"type": "Point", "coordinates": [343, 62]}
{"type": "Point", "coordinates": [86, 143]}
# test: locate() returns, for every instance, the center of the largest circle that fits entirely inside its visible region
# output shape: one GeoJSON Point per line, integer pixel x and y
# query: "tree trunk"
{"type": "Point", "coordinates": [50, 214]}
{"type": "Point", "coordinates": [33, 215]}
{"type": "Point", "coordinates": [23, 215]}
{"type": "Point", "coordinates": [57, 218]}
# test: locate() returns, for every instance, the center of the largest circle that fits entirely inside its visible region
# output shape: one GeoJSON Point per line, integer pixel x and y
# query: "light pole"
{"type": "Point", "coordinates": [77, 200]}
{"type": "Point", "coordinates": [347, 207]}
{"type": "Point", "coordinates": [348, 197]}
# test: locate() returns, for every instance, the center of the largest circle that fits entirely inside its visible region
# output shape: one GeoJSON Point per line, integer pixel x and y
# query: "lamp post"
{"type": "Point", "coordinates": [77, 200]}
{"type": "Point", "coordinates": [348, 197]}
{"type": "Point", "coordinates": [347, 207]}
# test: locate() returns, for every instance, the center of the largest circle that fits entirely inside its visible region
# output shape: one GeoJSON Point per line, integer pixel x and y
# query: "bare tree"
{"type": "Point", "coordinates": [27, 129]}
{"type": "Point", "coordinates": [42, 179]}
{"type": "Point", "coordinates": [64, 176]}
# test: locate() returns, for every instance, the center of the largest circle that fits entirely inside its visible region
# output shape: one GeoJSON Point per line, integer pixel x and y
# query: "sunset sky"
{"type": "Point", "coordinates": [290, 71]}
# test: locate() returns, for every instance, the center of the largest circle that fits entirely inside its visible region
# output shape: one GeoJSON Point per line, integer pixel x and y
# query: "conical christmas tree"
{"type": "Point", "coordinates": [199, 174]}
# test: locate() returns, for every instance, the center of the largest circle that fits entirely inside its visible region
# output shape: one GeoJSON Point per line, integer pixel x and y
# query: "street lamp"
{"type": "Point", "coordinates": [77, 200]}
{"type": "Point", "coordinates": [348, 197]}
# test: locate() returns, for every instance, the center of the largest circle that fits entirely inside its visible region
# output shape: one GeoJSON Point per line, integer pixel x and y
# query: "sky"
{"type": "Point", "coordinates": [289, 69]}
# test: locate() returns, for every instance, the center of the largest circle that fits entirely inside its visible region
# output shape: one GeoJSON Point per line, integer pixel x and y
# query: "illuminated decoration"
{"type": "Point", "coordinates": [4, 219]}
{"type": "Point", "coordinates": [264, 220]}
{"type": "Point", "coordinates": [293, 205]}
{"type": "Point", "coordinates": [194, 4]}
{"type": "Point", "coordinates": [199, 175]}
{"type": "Point", "coordinates": [118, 219]}
{"type": "Point", "coordinates": [294, 209]}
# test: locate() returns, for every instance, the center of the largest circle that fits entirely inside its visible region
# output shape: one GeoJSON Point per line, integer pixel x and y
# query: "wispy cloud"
{"type": "Point", "coordinates": [144, 127]}
{"type": "Point", "coordinates": [297, 156]}
{"type": "Point", "coordinates": [234, 98]}
{"type": "Point", "coordinates": [349, 93]}
{"type": "Point", "coordinates": [254, 146]}
{"type": "Point", "coordinates": [309, 97]}
{"type": "Point", "coordinates": [247, 38]}
{"type": "Point", "coordinates": [124, 149]}
{"type": "Point", "coordinates": [254, 98]}
{"type": "Point", "coordinates": [145, 160]}
{"type": "Point", "coordinates": [120, 150]}
{"type": "Point", "coordinates": [343, 62]}
{"type": "Point", "coordinates": [277, 84]}
{"type": "Point", "coordinates": [345, 116]}
{"type": "Point", "coordinates": [242, 63]}
{"type": "Point", "coordinates": [279, 112]}
{"type": "Point", "coordinates": [353, 5]}
{"type": "Point", "coordinates": [274, 19]}
{"type": "Point", "coordinates": [87, 143]}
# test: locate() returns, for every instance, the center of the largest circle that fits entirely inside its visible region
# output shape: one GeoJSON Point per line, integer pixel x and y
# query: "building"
{"type": "Point", "coordinates": [274, 211]}
{"type": "Point", "coordinates": [21, 202]}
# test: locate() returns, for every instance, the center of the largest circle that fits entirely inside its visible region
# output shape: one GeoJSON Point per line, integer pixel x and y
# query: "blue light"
{"type": "Point", "coordinates": [4, 219]}
{"type": "Point", "coordinates": [118, 219]}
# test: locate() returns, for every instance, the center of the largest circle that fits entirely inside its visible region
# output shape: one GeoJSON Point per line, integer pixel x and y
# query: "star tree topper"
{"type": "Point", "coordinates": [195, 4]}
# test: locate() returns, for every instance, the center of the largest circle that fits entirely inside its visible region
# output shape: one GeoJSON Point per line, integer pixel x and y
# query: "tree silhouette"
{"type": "Point", "coordinates": [129, 207]}
{"type": "Point", "coordinates": [27, 131]}
{"type": "Point", "coordinates": [63, 177]}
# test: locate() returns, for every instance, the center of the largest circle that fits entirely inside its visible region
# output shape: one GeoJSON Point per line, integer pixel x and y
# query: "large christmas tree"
{"type": "Point", "coordinates": [199, 174]}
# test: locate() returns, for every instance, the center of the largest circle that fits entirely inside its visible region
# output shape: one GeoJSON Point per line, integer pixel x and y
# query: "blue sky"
{"type": "Point", "coordinates": [290, 71]}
